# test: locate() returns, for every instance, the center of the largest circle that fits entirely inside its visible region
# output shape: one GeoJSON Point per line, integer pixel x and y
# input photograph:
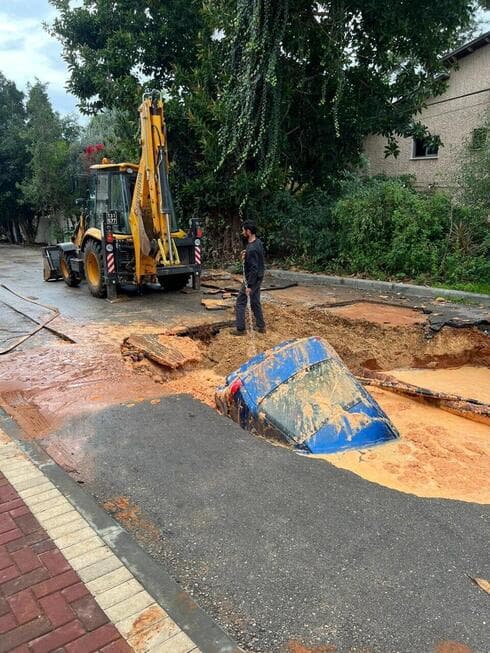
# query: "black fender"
{"type": "Point", "coordinates": [67, 247]}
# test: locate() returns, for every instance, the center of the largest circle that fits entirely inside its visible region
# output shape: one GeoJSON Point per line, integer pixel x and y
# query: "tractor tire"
{"type": "Point", "coordinates": [174, 282]}
{"type": "Point", "coordinates": [94, 268]}
{"type": "Point", "coordinates": [71, 278]}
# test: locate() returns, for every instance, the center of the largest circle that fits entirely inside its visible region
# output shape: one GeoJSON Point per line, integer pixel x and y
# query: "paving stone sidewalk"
{"type": "Point", "coordinates": [61, 587]}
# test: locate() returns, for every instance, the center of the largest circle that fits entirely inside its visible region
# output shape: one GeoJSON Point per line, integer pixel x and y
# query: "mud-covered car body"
{"type": "Point", "coordinates": [300, 391]}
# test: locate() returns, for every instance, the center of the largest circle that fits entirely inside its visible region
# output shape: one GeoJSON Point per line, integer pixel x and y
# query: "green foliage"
{"type": "Point", "coordinates": [13, 150]}
{"type": "Point", "coordinates": [386, 228]}
{"type": "Point", "coordinates": [298, 227]}
{"type": "Point", "coordinates": [381, 228]}
{"type": "Point", "coordinates": [110, 45]}
{"type": "Point", "coordinates": [48, 187]}
{"type": "Point", "coordinates": [282, 92]}
{"type": "Point", "coordinates": [253, 90]}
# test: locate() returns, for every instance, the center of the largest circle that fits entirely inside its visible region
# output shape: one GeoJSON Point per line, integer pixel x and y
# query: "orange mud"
{"type": "Point", "coordinates": [450, 646]}
{"type": "Point", "coordinates": [148, 628]}
{"type": "Point", "coordinates": [201, 383]}
{"type": "Point", "coordinates": [42, 387]}
{"type": "Point", "coordinates": [129, 515]}
{"type": "Point", "coordinates": [295, 646]}
{"type": "Point", "coordinates": [438, 454]}
{"type": "Point", "coordinates": [380, 314]}
{"type": "Point", "coordinates": [467, 382]}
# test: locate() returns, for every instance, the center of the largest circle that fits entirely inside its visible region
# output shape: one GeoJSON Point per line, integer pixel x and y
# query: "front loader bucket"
{"type": "Point", "coordinates": [51, 263]}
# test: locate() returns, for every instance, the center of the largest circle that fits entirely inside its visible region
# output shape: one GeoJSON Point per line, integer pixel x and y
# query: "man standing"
{"type": "Point", "coordinates": [253, 261]}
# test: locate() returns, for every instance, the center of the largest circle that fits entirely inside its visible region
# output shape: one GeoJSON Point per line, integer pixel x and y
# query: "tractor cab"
{"type": "Point", "coordinates": [110, 195]}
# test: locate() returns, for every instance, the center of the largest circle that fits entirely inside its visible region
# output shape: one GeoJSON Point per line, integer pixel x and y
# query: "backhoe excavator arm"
{"type": "Point", "coordinates": [151, 206]}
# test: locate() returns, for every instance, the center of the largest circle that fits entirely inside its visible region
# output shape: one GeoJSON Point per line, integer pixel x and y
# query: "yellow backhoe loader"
{"type": "Point", "coordinates": [127, 232]}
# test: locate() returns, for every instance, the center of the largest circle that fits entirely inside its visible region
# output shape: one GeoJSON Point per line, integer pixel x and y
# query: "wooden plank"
{"type": "Point", "coordinates": [169, 351]}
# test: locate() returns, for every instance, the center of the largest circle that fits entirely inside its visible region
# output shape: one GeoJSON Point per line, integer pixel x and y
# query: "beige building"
{"type": "Point", "coordinates": [456, 116]}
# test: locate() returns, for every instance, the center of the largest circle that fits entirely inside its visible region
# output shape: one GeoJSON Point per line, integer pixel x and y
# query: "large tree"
{"type": "Point", "coordinates": [263, 93]}
{"type": "Point", "coordinates": [48, 186]}
{"type": "Point", "coordinates": [13, 153]}
{"type": "Point", "coordinates": [112, 46]}
{"type": "Point", "coordinates": [308, 80]}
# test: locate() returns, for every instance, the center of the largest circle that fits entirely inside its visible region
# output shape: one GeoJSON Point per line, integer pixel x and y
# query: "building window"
{"type": "Point", "coordinates": [423, 150]}
{"type": "Point", "coordinates": [478, 138]}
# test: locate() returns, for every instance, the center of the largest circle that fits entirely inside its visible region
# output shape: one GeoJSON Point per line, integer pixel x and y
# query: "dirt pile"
{"type": "Point", "coordinates": [360, 344]}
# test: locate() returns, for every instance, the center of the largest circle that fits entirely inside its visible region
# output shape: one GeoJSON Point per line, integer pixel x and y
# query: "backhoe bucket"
{"type": "Point", "coordinates": [51, 263]}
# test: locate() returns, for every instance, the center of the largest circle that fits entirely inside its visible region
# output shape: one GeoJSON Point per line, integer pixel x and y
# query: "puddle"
{"type": "Point", "coordinates": [438, 455]}
{"type": "Point", "coordinates": [468, 382]}
{"type": "Point", "coordinates": [42, 387]}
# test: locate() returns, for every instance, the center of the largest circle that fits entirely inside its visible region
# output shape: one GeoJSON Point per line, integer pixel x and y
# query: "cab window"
{"type": "Point", "coordinates": [112, 201]}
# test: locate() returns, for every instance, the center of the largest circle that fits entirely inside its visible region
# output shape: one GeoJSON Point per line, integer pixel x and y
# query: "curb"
{"type": "Point", "coordinates": [308, 279]}
{"type": "Point", "coordinates": [179, 605]}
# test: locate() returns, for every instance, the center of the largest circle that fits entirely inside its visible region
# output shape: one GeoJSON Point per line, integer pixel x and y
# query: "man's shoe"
{"type": "Point", "coordinates": [238, 332]}
{"type": "Point", "coordinates": [262, 330]}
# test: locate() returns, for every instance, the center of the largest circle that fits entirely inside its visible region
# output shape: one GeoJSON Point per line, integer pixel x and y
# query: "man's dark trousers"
{"type": "Point", "coordinates": [241, 305]}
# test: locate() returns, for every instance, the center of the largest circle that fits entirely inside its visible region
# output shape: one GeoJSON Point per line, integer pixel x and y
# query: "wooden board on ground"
{"type": "Point", "coordinates": [216, 304]}
{"type": "Point", "coordinates": [169, 351]}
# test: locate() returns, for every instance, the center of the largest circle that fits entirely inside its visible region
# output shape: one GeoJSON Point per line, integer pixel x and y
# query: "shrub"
{"type": "Point", "coordinates": [298, 227]}
{"type": "Point", "coordinates": [386, 228]}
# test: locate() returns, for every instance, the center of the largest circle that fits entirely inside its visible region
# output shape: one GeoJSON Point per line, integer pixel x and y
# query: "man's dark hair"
{"type": "Point", "coordinates": [250, 225]}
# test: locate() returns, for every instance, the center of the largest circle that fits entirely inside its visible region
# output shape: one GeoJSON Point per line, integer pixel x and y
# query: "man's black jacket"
{"type": "Point", "coordinates": [254, 262]}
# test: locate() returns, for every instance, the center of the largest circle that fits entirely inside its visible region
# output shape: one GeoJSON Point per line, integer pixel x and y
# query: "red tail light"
{"type": "Point", "coordinates": [199, 232]}
{"type": "Point", "coordinates": [235, 387]}
{"type": "Point", "coordinates": [109, 237]}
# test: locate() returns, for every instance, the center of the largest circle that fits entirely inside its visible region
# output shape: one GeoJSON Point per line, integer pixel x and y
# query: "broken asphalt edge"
{"type": "Point", "coordinates": [181, 607]}
{"type": "Point", "coordinates": [306, 278]}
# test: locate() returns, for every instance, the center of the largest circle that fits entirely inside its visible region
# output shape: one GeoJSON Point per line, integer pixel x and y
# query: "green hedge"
{"type": "Point", "coordinates": [381, 228]}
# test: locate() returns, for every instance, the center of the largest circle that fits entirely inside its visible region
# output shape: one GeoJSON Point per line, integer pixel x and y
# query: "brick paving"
{"type": "Point", "coordinates": [62, 589]}
{"type": "Point", "coordinates": [44, 606]}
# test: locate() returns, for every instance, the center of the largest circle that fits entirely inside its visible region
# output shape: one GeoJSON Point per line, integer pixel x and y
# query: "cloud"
{"type": "Point", "coordinates": [28, 52]}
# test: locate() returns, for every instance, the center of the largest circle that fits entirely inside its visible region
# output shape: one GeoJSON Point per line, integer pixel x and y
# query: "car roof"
{"type": "Point", "coordinates": [265, 372]}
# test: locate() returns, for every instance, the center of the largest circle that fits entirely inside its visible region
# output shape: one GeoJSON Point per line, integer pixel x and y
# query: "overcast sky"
{"type": "Point", "coordinates": [27, 51]}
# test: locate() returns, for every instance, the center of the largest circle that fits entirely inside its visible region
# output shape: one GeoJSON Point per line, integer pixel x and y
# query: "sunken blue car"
{"type": "Point", "coordinates": [302, 393]}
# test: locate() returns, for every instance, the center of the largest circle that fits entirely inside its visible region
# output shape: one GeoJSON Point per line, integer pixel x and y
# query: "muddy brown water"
{"type": "Point", "coordinates": [439, 454]}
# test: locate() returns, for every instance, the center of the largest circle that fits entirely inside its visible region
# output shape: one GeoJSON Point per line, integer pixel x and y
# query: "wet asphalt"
{"type": "Point", "coordinates": [21, 270]}
{"type": "Point", "coordinates": [277, 547]}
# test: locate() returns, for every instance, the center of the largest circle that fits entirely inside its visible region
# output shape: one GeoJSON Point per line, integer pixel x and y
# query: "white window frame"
{"type": "Point", "coordinates": [427, 156]}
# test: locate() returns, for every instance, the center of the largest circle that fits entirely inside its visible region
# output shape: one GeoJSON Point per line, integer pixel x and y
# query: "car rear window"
{"type": "Point", "coordinates": [305, 402]}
